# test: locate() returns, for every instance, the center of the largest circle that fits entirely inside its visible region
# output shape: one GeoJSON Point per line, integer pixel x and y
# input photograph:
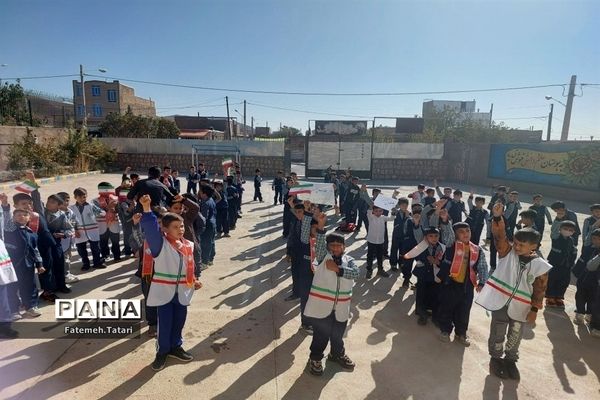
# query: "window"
{"type": "Point", "coordinates": [97, 110]}
{"type": "Point", "coordinates": [95, 90]}
{"type": "Point", "coordinates": [80, 110]}
{"type": "Point", "coordinates": [78, 90]}
{"type": "Point", "coordinates": [463, 106]}
{"type": "Point", "coordinates": [112, 96]}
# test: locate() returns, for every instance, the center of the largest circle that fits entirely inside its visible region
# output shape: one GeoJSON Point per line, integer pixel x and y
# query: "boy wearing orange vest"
{"type": "Point", "coordinates": [463, 269]}
{"type": "Point", "coordinates": [172, 277]}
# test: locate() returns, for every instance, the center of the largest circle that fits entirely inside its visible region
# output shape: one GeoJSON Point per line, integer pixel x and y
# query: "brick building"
{"type": "Point", "coordinates": [103, 98]}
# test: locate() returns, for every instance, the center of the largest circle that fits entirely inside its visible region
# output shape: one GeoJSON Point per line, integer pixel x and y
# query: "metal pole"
{"type": "Point", "coordinates": [84, 123]}
{"type": "Point", "coordinates": [564, 136]}
{"type": "Point", "coordinates": [550, 122]}
{"type": "Point", "coordinates": [245, 129]}
{"type": "Point", "coordinates": [228, 136]}
{"type": "Point", "coordinates": [372, 145]}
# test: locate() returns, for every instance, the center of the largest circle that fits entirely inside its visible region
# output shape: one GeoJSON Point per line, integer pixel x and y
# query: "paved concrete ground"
{"type": "Point", "coordinates": [246, 343]}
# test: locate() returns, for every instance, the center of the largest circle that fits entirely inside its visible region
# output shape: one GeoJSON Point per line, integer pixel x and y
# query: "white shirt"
{"type": "Point", "coordinates": [376, 234]}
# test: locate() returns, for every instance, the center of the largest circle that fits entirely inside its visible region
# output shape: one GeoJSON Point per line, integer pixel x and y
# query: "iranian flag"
{"type": "Point", "coordinates": [27, 187]}
{"type": "Point", "coordinates": [301, 188]}
{"type": "Point", "coordinates": [227, 162]}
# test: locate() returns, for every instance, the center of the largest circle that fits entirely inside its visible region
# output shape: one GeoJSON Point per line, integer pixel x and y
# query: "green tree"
{"type": "Point", "coordinates": [286, 131]}
{"type": "Point", "coordinates": [448, 126]}
{"type": "Point", "coordinates": [137, 126]}
{"type": "Point", "coordinates": [13, 106]}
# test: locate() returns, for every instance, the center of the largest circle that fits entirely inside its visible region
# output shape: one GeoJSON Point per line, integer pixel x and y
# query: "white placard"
{"type": "Point", "coordinates": [320, 193]}
{"type": "Point", "coordinates": [387, 203]}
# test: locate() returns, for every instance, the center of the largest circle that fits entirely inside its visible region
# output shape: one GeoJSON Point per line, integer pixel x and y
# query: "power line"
{"type": "Point", "coordinates": [327, 93]}
{"type": "Point", "coordinates": [309, 112]}
{"type": "Point", "coordinates": [40, 77]}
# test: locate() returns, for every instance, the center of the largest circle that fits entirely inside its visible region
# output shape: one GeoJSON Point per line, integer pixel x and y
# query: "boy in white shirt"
{"type": "Point", "coordinates": [375, 236]}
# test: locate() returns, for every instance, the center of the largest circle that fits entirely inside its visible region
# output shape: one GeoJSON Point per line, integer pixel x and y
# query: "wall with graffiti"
{"type": "Point", "coordinates": [572, 165]}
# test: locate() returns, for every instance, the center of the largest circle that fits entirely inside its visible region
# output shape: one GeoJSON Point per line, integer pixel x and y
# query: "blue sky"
{"type": "Point", "coordinates": [326, 46]}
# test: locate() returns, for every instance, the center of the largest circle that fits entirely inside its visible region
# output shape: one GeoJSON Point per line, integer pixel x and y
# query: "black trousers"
{"type": "Point", "coordinates": [595, 323]}
{"type": "Point", "coordinates": [455, 301]}
{"type": "Point", "coordinates": [362, 218]}
{"type": "Point", "coordinates": [426, 298]}
{"type": "Point", "coordinates": [278, 195]}
{"type": "Point", "coordinates": [558, 282]}
{"type": "Point", "coordinates": [299, 267]}
{"type": "Point", "coordinates": [83, 253]}
{"type": "Point", "coordinates": [327, 330]}
{"type": "Point", "coordinates": [305, 276]}
{"type": "Point", "coordinates": [223, 221]}
{"type": "Point", "coordinates": [585, 295]}
{"type": "Point", "coordinates": [191, 187]}
{"type": "Point", "coordinates": [287, 220]}
{"type": "Point", "coordinates": [395, 258]}
{"type": "Point", "coordinates": [114, 244]}
{"type": "Point", "coordinates": [232, 215]}
{"type": "Point", "coordinates": [257, 193]}
{"type": "Point", "coordinates": [375, 251]}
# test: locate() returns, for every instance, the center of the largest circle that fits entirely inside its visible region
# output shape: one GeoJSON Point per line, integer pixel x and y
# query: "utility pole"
{"type": "Point", "coordinates": [491, 113]}
{"type": "Point", "coordinates": [564, 136]}
{"type": "Point", "coordinates": [228, 137]}
{"type": "Point", "coordinates": [252, 126]}
{"type": "Point", "coordinates": [550, 122]}
{"type": "Point", "coordinates": [84, 123]}
{"type": "Point", "coordinates": [245, 128]}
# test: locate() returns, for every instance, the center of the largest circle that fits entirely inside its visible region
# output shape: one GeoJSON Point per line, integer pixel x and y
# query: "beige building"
{"type": "Point", "coordinates": [103, 98]}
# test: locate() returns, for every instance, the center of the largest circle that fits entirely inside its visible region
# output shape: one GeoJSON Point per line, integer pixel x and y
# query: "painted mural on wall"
{"type": "Point", "coordinates": [570, 165]}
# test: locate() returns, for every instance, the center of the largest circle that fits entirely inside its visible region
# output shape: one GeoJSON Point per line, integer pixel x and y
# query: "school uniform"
{"type": "Point", "coordinates": [588, 228]}
{"type": "Point", "coordinates": [176, 184]}
{"type": "Point", "coordinates": [278, 184]}
{"type": "Point", "coordinates": [477, 219]}
{"type": "Point", "coordinates": [363, 209]}
{"type": "Point", "coordinates": [427, 288]}
{"type": "Point", "coordinates": [569, 216]}
{"type": "Point", "coordinates": [136, 242]}
{"type": "Point", "coordinates": [59, 222]}
{"type": "Point", "coordinates": [376, 239]}
{"type": "Point", "coordinates": [511, 214]}
{"type": "Point", "coordinates": [66, 243]}
{"type": "Point", "coordinates": [87, 228]}
{"type": "Point", "coordinates": [587, 280]}
{"type": "Point", "coordinates": [125, 215]}
{"type": "Point", "coordinates": [461, 271]}
{"type": "Point", "coordinates": [192, 182]}
{"type": "Point", "coordinates": [49, 248]}
{"type": "Point", "coordinates": [232, 207]}
{"type": "Point", "coordinates": [288, 215]}
{"type": "Point", "coordinates": [455, 210]}
{"type": "Point", "coordinates": [413, 235]}
{"type": "Point", "coordinates": [108, 227]}
{"type": "Point", "coordinates": [298, 246]}
{"type": "Point", "coordinates": [257, 185]}
{"type": "Point", "coordinates": [417, 197]}
{"type": "Point", "coordinates": [398, 235]}
{"type": "Point", "coordinates": [223, 214]}
{"type": "Point", "coordinates": [172, 275]}
{"type": "Point", "coordinates": [208, 209]}
{"type": "Point", "coordinates": [22, 247]}
{"type": "Point", "coordinates": [351, 203]}
{"type": "Point", "coordinates": [8, 288]}
{"type": "Point", "coordinates": [562, 258]}
{"type": "Point", "coordinates": [542, 214]}
{"type": "Point", "coordinates": [328, 304]}
{"type": "Point", "coordinates": [510, 292]}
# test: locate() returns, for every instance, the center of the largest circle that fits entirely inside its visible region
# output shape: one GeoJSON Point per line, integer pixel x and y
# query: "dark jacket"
{"type": "Point", "coordinates": [159, 193]}
{"type": "Point", "coordinates": [563, 252]}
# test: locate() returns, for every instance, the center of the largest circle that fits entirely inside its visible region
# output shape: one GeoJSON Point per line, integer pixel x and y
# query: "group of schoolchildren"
{"type": "Point", "coordinates": [171, 233]}
{"type": "Point", "coordinates": [438, 241]}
